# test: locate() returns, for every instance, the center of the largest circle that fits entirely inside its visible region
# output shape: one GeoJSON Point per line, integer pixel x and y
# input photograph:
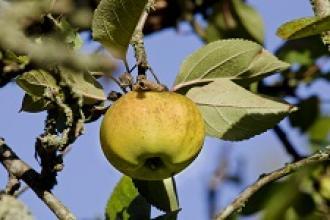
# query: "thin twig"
{"type": "Point", "coordinates": [137, 40]}
{"type": "Point", "coordinates": [290, 149]}
{"type": "Point", "coordinates": [154, 75]}
{"type": "Point", "coordinates": [15, 166]}
{"type": "Point", "coordinates": [244, 196]}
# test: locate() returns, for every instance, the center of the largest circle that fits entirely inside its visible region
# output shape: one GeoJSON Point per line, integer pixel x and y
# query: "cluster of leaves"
{"type": "Point", "coordinates": [39, 48]}
{"type": "Point", "coordinates": [133, 199]}
{"type": "Point", "coordinates": [304, 195]}
{"type": "Point", "coordinates": [217, 77]}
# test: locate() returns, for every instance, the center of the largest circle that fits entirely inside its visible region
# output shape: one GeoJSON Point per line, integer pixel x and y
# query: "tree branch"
{"type": "Point", "coordinates": [244, 196]}
{"type": "Point", "coordinates": [137, 40]}
{"type": "Point", "coordinates": [18, 168]}
{"type": "Point", "coordinates": [290, 149]}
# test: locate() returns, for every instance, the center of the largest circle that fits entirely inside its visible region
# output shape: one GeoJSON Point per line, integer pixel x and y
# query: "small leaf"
{"type": "Point", "coordinates": [114, 23]}
{"type": "Point", "coordinates": [33, 104]}
{"type": "Point", "coordinates": [279, 203]}
{"type": "Point", "coordinates": [14, 62]}
{"type": "Point", "coordinates": [35, 82]}
{"type": "Point", "coordinates": [85, 84]}
{"type": "Point", "coordinates": [304, 27]}
{"type": "Point", "coordinates": [126, 203]}
{"type": "Point", "coordinates": [303, 51]}
{"type": "Point", "coordinates": [161, 194]}
{"type": "Point", "coordinates": [307, 114]}
{"type": "Point", "coordinates": [258, 201]}
{"type": "Point", "coordinates": [230, 59]}
{"type": "Point", "coordinates": [233, 113]}
{"type": "Point", "coordinates": [70, 34]}
{"type": "Point", "coordinates": [250, 19]}
{"type": "Point", "coordinates": [319, 132]}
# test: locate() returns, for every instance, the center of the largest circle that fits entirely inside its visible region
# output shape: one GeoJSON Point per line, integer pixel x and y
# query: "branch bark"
{"type": "Point", "coordinates": [18, 168]}
{"type": "Point", "coordinates": [244, 196]}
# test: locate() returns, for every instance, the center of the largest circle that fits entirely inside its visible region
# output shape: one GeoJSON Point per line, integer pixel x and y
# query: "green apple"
{"type": "Point", "coordinates": [152, 135]}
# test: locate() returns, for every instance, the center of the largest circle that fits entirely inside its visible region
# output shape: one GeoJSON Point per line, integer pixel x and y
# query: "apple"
{"type": "Point", "coordinates": [152, 135]}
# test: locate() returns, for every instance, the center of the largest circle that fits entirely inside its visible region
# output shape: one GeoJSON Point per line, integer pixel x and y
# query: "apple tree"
{"type": "Point", "coordinates": [151, 131]}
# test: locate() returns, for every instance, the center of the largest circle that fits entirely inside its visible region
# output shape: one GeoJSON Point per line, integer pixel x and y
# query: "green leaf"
{"type": "Point", "coordinates": [233, 113]}
{"type": "Point", "coordinates": [264, 64]}
{"type": "Point", "coordinates": [279, 203]}
{"type": "Point", "coordinates": [70, 34]}
{"type": "Point", "coordinates": [114, 23]}
{"type": "Point", "coordinates": [230, 59]}
{"type": "Point", "coordinates": [126, 203]}
{"type": "Point", "coordinates": [303, 51]}
{"type": "Point", "coordinates": [83, 83]}
{"type": "Point", "coordinates": [250, 19]}
{"type": "Point", "coordinates": [14, 62]}
{"type": "Point", "coordinates": [304, 27]}
{"type": "Point", "coordinates": [233, 20]}
{"type": "Point", "coordinates": [161, 194]}
{"type": "Point", "coordinates": [225, 59]}
{"type": "Point", "coordinates": [319, 132]}
{"type": "Point", "coordinates": [307, 114]}
{"type": "Point", "coordinates": [35, 82]}
{"type": "Point", "coordinates": [258, 201]}
{"type": "Point", "coordinates": [33, 104]}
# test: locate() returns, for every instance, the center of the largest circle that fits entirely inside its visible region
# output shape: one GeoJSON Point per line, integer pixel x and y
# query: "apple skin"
{"type": "Point", "coordinates": [152, 135]}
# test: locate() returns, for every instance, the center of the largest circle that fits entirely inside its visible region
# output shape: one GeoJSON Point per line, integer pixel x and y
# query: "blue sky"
{"type": "Point", "coordinates": [88, 179]}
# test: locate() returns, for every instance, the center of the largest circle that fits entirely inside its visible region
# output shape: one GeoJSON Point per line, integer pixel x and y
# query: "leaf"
{"type": "Point", "coordinates": [227, 21]}
{"type": "Point", "coordinates": [35, 82]}
{"type": "Point", "coordinates": [14, 62]}
{"type": "Point", "coordinates": [126, 203]}
{"type": "Point", "coordinates": [217, 60]}
{"type": "Point", "coordinates": [263, 65]}
{"type": "Point", "coordinates": [280, 202]}
{"type": "Point", "coordinates": [307, 114]}
{"type": "Point", "coordinates": [250, 19]}
{"type": "Point", "coordinates": [83, 83]}
{"type": "Point", "coordinates": [319, 132]}
{"type": "Point", "coordinates": [303, 51]}
{"type": "Point", "coordinates": [231, 59]}
{"type": "Point", "coordinates": [70, 34]}
{"type": "Point", "coordinates": [304, 27]}
{"type": "Point", "coordinates": [161, 194]}
{"type": "Point", "coordinates": [258, 201]}
{"type": "Point", "coordinates": [233, 113]}
{"type": "Point", "coordinates": [114, 23]}
{"type": "Point", "coordinates": [33, 104]}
